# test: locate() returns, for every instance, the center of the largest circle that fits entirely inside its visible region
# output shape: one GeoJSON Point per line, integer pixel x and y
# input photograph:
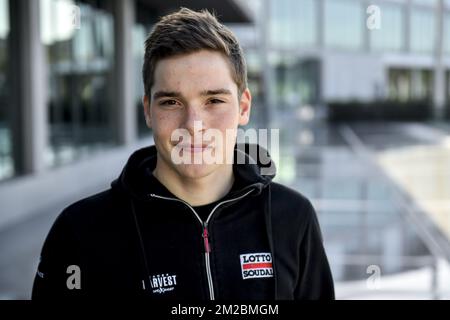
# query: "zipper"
{"type": "Point", "coordinates": [207, 264]}
{"type": "Point", "coordinates": [205, 233]}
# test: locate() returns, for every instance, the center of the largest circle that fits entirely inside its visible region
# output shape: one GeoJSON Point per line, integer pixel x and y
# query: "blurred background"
{"type": "Point", "coordinates": [360, 91]}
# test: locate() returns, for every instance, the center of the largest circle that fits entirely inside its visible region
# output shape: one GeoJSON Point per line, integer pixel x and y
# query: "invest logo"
{"type": "Point", "coordinates": [162, 283]}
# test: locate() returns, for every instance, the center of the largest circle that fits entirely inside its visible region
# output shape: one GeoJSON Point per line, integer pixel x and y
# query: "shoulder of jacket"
{"type": "Point", "coordinates": [88, 208]}
{"type": "Point", "coordinates": [282, 194]}
{"type": "Point", "coordinates": [289, 203]}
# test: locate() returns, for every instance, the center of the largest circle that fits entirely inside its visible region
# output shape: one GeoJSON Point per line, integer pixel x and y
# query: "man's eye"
{"type": "Point", "coordinates": [215, 101]}
{"type": "Point", "coordinates": [168, 103]}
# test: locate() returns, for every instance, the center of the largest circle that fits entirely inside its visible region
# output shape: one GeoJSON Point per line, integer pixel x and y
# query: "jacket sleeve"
{"type": "Point", "coordinates": [315, 281]}
{"type": "Point", "coordinates": [58, 257]}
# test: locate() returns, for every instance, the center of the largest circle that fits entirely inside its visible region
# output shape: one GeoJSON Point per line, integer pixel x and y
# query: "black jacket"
{"type": "Point", "coordinates": [261, 241]}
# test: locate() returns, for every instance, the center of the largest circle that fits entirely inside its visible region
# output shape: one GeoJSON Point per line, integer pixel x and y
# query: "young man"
{"type": "Point", "coordinates": [171, 227]}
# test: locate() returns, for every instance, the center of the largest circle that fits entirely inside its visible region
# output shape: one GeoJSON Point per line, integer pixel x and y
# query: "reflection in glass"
{"type": "Point", "coordinates": [430, 3]}
{"type": "Point", "coordinates": [144, 21]}
{"type": "Point", "coordinates": [446, 43]}
{"type": "Point", "coordinates": [258, 119]}
{"type": "Point", "coordinates": [6, 157]}
{"type": "Point", "coordinates": [139, 36]}
{"type": "Point", "coordinates": [422, 30]}
{"type": "Point", "coordinates": [292, 23]}
{"type": "Point", "coordinates": [447, 88]}
{"type": "Point", "coordinates": [297, 81]}
{"type": "Point", "coordinates": [344, 22]}
{"type": "Point", "coordinates": [406, 84]}
{"type": "Point", "coordinates": [80, 65]}
{"type": "Point", "coordinates": [390, 35]}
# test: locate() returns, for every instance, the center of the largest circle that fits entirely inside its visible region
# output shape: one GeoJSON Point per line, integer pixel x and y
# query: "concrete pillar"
{"type": "Point", "coordinates": [439, 69]}
{"type": "Point", "coordinates": [367, 33]}
{"type": "Point", "coordinates": [29, 115]}
{"type": "Point", "coordinates": [407, 26]}
{"type": "Point", "coordinates": [125, 117]}
{"type": "Point", "coordinates": [267, 71]}
{"type": "Point", "coordinates": [320, 24]}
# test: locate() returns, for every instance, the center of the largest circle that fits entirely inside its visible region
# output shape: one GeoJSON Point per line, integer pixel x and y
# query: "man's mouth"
{"type": "Point", "coordinates": [194, 148]}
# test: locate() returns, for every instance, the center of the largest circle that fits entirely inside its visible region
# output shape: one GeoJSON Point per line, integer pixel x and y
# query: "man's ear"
{"type": "Point", "coordinates": [148, 117]}
{"type": "Point", "coordinates": [245, 105]}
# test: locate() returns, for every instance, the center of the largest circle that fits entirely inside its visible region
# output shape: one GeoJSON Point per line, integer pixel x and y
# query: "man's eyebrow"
{"type": "Point", "coordinates": [166, 94]}
{"type": "Point", "coordinates": [215, 92]}
{"type": "Point", "coordinates": [176, 94]}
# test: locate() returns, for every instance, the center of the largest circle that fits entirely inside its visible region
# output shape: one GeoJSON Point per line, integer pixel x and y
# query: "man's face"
{"type": "Point", "coordinates": [187, 89]}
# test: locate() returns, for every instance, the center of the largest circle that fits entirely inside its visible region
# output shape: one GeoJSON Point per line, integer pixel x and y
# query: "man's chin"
{"type": "Point", "coordinates": [195, 171]}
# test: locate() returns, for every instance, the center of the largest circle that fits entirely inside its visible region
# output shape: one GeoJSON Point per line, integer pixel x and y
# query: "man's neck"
{"type": "Point", "coordinates": [199, 191]}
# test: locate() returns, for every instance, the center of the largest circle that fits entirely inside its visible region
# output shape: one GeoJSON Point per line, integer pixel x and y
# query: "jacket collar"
{"type": "Point", "coordinates": [138, 181]}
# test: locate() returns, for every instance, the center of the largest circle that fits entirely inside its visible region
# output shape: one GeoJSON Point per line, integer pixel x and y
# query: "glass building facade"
{"type": "Point", "coordinates": [390, 36]}
{"type": "Point", "coordinates": [423, 31]}
{"type": "Point", "coordinates": [80, 64]}
{"type": "Point", "coordinates": [296, 80]}
{"type": "Point", "coordinates": [139, 36]}
{"type": "Point", "coordinates": [447, 31]}
{"type": "Point", "coordinates": [410, 84]}
{"type": "Point", "coordinates": [344, 24]}
{"type": "Point", "coordinates": [307, 37]}
{"type": "Point", "coordinates": [293, 23]}
{"type": "Point", "coordinates": [6, 153]}
{"type": "Point", "coordinates": [141, 28]}
{"type": "Point", "coordinates": [447, 88]}
{"type": "Point", "coordinates": [298, 24]}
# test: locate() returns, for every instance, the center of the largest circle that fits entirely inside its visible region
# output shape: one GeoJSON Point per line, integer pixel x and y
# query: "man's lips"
{"type": "Point", "coordinates": [194, 148]}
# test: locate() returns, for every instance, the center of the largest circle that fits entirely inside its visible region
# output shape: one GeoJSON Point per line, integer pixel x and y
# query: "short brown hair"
{"type": "Point", "coordinates": [187, 31]}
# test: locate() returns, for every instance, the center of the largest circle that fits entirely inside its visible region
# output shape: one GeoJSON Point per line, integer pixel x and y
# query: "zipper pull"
{"type": "Point", "coordinates": [205, 236]}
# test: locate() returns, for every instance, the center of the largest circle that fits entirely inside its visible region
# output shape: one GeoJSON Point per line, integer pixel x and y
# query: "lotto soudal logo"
{"type": "Point", "coordinates": [163, 282]}
{"type": "Point", "coordinates": [256, 265]}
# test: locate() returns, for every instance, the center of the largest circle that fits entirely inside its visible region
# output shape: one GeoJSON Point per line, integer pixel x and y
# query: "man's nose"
{"type": "Point", "coordinates": [193, 121]}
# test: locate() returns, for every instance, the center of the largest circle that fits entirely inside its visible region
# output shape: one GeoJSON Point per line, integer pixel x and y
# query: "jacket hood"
{"type": "Point", "coordinates": [252, 168]}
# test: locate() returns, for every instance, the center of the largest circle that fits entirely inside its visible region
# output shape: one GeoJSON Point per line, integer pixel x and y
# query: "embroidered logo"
{"type": "Point", "coordinates": [256, 265]}
{"type": "Point", "coordinates": [163, 282]}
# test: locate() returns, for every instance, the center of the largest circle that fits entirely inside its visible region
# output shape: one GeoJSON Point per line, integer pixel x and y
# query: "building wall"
{"type": "Point", "coordinates": [356, 61]}
{"type": "Point", "coordinates": [347, 76]}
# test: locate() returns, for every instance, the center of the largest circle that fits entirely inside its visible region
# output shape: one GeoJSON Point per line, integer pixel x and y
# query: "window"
{"type": "Point", "coordinates": [344, 23]}
{"type": "Point", "coordinates": [256, 84]}
{"type": "Point", "coordinates": [6, 153]}
{"type": "Point", "coordinates": [296, 81]}
{"type": "Point", "coordinates": [446, 43]}
{"type": "Point", "coordinates": [422, 30]}
{"type": "Point", "coordinates": [406, 84]}
{"type": "Point", "coordinates": [80, 73]}
{"type": "Point", "coordinates": [139, 36]}
{"type": "Point", "coordinates": [390, 35]}
{"type": "Point", "coordinates": [293, 23]}
{"type": "Point", "coordinates": [145, 19]}
{"type": "Point", "coordinates": [430, 3]}
{"type": "Point", "coordinates": [447, 89]}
